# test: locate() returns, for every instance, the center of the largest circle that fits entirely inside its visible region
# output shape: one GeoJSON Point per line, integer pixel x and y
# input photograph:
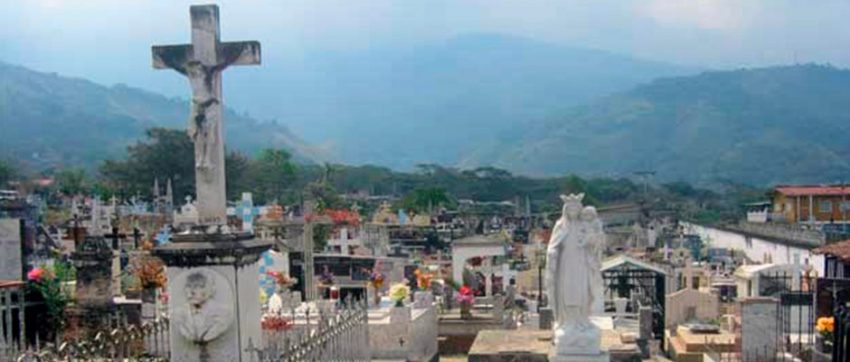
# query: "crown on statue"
{"type": "Point", "coordinates": [572, 198]}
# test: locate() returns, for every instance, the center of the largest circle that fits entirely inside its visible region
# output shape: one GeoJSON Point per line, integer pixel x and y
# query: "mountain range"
{"type": "Point", "coordinates": [433, 102]}
{"type": "Point", "coordinates": [52, 121]}
{"type": "Point", "coordinates": [758, 126]}
{"type": "Point", "coordinates": [527, 107]}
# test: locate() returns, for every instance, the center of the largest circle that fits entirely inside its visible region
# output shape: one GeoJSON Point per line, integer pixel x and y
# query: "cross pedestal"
{"type": "Point", "coordinates": [213, 289]}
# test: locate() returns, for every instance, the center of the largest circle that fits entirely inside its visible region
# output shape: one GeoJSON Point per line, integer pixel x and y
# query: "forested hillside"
{"type": "Point", "coordinates": [759, 126]}
{"type": "Point", "coordinates": [53, 121]}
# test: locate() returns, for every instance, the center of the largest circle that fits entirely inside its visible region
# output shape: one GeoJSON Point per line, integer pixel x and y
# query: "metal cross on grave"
{"type": "Point", "coordinates": [202, 62]}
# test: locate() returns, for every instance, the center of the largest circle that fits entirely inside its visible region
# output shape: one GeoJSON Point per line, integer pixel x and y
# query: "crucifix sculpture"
{"type": "Point", "coordinates": [202, 62]}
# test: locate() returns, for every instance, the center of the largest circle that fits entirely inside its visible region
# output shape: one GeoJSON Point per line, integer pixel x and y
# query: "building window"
{"type": "Point", "coordinates": [845, 206]}
{"type": "Point", "coordinates": [826, 206]}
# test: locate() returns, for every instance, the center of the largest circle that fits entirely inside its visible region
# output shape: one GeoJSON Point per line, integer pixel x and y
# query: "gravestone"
{"type": "Point", "coordinates": [213, 282]}
{"type": "Point", "coordinates": [186, 214]}
{"type": "Point", "coordinates": [759, 336]}
{"type": "Point", "coordinates": [422, 299]}
{"type": "Point", "coordinates": [11, 250]}
{"type": "Point", "coordinates": [115, 240]}
{"type": "Point", "coordinates": [545, 318]}
{"type": "Point", "coordinates": [92, 260]}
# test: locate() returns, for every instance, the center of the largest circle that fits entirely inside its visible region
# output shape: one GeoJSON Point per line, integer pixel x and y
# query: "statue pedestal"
{"type": "Point", "coordinates": [601, 357]}
{"type": "Point", "coordinates": [579, 342]}
{"type": "Point", "coordinates": [582, 339]}
{"type": "Point", "coordinates": [213, 289]}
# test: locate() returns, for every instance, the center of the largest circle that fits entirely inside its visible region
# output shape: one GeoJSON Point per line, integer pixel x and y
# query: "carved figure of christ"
{"type": "Point", "coordinates": [202, 62]}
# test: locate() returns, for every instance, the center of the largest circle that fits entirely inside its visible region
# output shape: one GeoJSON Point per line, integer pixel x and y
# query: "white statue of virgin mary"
{"type": "Point", "coordinates": [574, 279]}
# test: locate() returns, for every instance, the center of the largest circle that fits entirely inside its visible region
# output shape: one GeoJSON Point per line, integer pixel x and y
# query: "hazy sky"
{"type": "Point", "coordinates": [105, 40]}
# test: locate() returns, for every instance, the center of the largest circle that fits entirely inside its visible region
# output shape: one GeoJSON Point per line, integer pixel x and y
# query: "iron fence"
{"type": "Point", "coordinates": [12, 326]}
{"type": "Point", "coordinates": [338, 332]}
{"type": "Point", "coordinates": [841, 335]}
{"type": "Point", "coordinates": [148, 342]}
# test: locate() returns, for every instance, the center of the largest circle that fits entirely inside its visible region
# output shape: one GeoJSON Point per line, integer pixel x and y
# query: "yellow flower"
{"type": "Point", "coordinates": [263, 296]}
{"type": "Point", "coordinates": [825, 324]}
{"type": "Point", "coordinates": [399, 292]}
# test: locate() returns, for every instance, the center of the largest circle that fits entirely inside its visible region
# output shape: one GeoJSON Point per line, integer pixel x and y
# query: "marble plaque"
{"type": "Point", "coordinates": [204, 311]}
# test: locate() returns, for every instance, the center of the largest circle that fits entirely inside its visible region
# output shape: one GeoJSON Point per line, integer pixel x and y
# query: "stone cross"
{"type": "Point", "coordinates": [202, 62]}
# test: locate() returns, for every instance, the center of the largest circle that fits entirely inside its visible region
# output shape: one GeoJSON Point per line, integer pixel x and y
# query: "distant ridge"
{"type": "Point", "coordinates": [400, 105]}
{"type": "Point", "coordinates": [51, 121]}
{"type": "Point", "coordinates": [761, 126]}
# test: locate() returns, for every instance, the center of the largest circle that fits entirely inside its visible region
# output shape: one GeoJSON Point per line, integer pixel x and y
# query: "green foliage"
{"type": "Point", "coordinates": [321, 234]}
{"type": "Point", "coordinates": [50, 287]}
{"type": "Point", "coordinates": [7, 172]}
{"type": "Point", "coordinates": [437, 184]}
{"type": "Point", "coordinates": [238, 175]}
{"type": "Point", "coordinates": [166, 154]}
{"type": "Point", "coordinates": [68, 121]}
{"type": "Point", "coordinates": [757, 126]}
{"type": "Point", "coordinates": [273, 174]}
{"type": "Point", "coordinates": [325, 195]}
{"type": "Point", "coordinates": [72, 181]}
{"type": "Point", "coordinates": [426, 199]}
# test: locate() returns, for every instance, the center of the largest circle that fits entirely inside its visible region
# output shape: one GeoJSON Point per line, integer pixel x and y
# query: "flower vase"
{"type": "Point", "coordinates": [377, 296]}
{"type": "Point", "coordinates": [465, 311]}
{"type": "Point", "coordinates": [148, 295]}
{"type": "Point", "coordinates": [149, 305]}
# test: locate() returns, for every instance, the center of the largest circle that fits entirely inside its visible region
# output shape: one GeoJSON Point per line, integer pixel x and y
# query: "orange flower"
{"type": "Point", "coordinates": [151, 272]}
{"type": "Point", "coordinates": [423, 280]}
{"type": "Point", "coordinates": [825, 325]}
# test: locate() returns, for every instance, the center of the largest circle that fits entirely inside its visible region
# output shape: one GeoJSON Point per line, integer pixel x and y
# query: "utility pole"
{"type": "Point", "coordinates": [645, 175]}
{"type": "Point", "coordinates": [843, 209]}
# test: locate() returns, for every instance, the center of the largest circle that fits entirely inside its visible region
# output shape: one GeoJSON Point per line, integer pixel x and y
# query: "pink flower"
{"type": "Point", "coordinates": [35, 275]}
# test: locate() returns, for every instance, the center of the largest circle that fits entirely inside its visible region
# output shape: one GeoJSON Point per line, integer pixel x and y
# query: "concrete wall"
{"type": "Point", "coordinates": [755, 248]}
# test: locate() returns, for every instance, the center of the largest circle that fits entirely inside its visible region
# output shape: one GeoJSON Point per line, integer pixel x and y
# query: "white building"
{"type": "Point", "coordinates": [758, 249]}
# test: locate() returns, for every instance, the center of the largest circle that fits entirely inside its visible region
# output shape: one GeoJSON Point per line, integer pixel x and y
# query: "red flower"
{"type": "Point", "coordinates": [276, 323]}
{"type": "Point", "coordinates": [36, 274]}
{"type": "Point", "coordinates": [465, 296]}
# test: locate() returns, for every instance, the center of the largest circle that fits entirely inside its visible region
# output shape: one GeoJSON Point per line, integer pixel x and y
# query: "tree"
{"type": "Point", "coordinates": [321, 234]}
{"type": "Point", "coordinates": [72, 181]}
{"type": "Point", "coordinates": [424, 199]}
{"type": "Point", "coordinates": [274, 173]}
{"type": "Point", "coordinates": [575, 185]}
{"type": "Point", "coordinates": [325, 195]}
{"type": "Point", "coordinates": [238, 175]}
{"type": "Point", "coordinates": [166, 154]}
{"type": "Point", "coordinates": [7, 172]}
